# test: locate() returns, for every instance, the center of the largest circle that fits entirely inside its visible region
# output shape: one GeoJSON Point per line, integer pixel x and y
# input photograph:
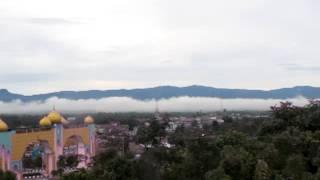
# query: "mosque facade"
{"type": "Point", "coordinates": [39, 150]}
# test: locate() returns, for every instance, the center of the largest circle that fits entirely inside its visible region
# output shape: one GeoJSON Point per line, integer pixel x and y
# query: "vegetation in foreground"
{"type": "Point", "coordinates": [7, 175]}
{"type": "Point", "coordinates": [286, 147]}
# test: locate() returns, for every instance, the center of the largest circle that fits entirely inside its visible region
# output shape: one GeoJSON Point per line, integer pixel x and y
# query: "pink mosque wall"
{"type": "Point", "coordinates": [20, 141]}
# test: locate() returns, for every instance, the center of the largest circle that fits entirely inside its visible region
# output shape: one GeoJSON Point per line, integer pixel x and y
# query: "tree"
{"type": "Point", "coordinates": [72, 161]}
{"type": "Point", "coordinates": [270, 155]}
{"type": "Point", "coordinates": [288, 113]}
{"type": "Point", "coordinates": [311, 116]}
{"type": "Point", "coordinates": [68, 161]}
{"type": "Point", "coordinates": [227, 119]}
{"type": "Point", "coordinates": [81, 175]}
{"type": "Point", "coordinates": [262, 171]}
{"type": "Point", "coordinates": [232, 138]}
{"type": "Point", "coordinates": [110, 165]}
{"type": "Point", "coordinates": [215, 125]}
{"type": "Point", "coordinates": [7, 175]}
{"type": "Point", "coordinates": [237, 162]}
{"type": "Point", "coordinates": [151, 134]}
{"type": "Point", "coordinates": [217, 174]}
{"type": "Point", "coordinates": [295, 167]}
{"type": "Point", "coordinates": [178, 137]}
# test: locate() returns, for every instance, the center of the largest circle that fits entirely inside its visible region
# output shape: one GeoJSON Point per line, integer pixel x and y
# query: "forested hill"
{"type": "Point", "coordinates": [164, 92]}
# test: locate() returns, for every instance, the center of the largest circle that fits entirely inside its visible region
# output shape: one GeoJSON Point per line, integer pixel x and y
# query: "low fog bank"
{"type": "Point", "coordinates": [123, 104]}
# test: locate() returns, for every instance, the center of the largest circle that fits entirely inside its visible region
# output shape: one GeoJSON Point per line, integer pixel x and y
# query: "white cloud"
{"type": "Point", "coordinates": [123, 104]}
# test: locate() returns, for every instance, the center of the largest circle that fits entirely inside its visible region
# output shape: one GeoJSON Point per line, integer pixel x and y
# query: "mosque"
{"type": "Point", "coordinates": [37, 151]}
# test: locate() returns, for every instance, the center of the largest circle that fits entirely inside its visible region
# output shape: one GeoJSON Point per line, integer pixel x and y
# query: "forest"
{"type": "Point", "coordinates": [287, 146]}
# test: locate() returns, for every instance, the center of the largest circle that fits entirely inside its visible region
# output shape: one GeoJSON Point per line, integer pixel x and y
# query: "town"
{"type": "Point", "coordinates": [59, 145]}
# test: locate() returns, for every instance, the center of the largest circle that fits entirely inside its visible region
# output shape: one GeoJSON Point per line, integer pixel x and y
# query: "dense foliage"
{"type": "Point", "coordinates": [286, 147]}
{"type": "Point", "coordinates": [7, 175]}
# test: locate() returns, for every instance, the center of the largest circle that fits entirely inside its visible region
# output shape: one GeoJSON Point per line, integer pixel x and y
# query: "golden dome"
{"type": "Point", "coordinates": [45, 122]}
{"type": "Point", "coordinates": [64, 121]}
{"type": "Point", "coordinates": [55, 117]}
{"type": "Point", "coordinates": [88, 120]}
{"type": "Point", "coordinates": [3, 126]}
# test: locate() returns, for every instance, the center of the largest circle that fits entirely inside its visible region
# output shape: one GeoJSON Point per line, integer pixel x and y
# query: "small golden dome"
{"type": "Point", "coordinates": [89, 120]}
{"type": "Point", "coordinates": [3, 126]}
{"type": "Point", "coordinates": [64, 121]}
{"type": "Point", "coordinates": [45, 122]}
{"type": "Point", "coordinates": [55, 117]}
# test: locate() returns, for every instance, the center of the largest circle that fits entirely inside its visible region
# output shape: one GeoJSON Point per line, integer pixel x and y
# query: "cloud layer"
{"type": "Point", "coordinates": [80, 44]}
{"type": "Point", "coordinates": [122, 104]}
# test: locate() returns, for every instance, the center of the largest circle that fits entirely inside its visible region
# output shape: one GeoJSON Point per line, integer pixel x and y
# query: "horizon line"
{"type": "Point", "coordinates": [153, 87]}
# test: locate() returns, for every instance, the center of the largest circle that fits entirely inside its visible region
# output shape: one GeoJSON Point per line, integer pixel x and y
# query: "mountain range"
{"type": "Point", "coordinates": [165, 92]}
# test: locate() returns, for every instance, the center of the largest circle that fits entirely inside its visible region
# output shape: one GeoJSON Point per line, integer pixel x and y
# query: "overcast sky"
{"type": "Point", "coordinates": [107, 44]}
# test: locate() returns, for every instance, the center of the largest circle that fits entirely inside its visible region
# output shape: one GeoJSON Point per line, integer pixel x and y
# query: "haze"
{"type": "Point", "coordinates": [123, 104]}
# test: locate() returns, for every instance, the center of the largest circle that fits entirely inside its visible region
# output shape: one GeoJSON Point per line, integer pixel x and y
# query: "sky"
{"type": "Point", "coordinates": [58, 45]}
